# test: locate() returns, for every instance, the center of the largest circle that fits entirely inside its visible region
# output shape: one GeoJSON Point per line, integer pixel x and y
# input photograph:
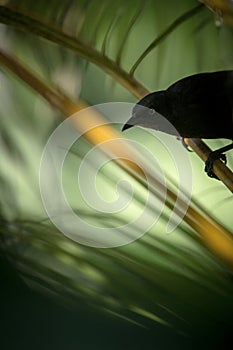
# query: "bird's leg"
{"type": "Point", "coordinates": [218, 154]}
{"type": "Point", "coordinates": [180, 138]}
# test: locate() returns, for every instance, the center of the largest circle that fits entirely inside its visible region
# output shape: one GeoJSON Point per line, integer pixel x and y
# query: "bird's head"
{"type": "Point", "coordinates": [152, 111]}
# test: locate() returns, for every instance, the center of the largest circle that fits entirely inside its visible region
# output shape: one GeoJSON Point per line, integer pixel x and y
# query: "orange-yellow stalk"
{"type": "Point", "coordinates": [217, 238]}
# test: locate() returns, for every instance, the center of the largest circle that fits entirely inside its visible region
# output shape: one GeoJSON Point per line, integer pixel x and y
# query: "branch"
{"type": "Point", "coordinates": [22, 21]}
{"type": "Point", "coordinates": [45, 30]}
{"type": "Point", "coordinates": [220, 169]}
{"type": "Point", "coordinates": [223, 10]}
{"type": "Point", "coordinates": [54, 98]}
{"type": "Point", "coordinates": [216, 237]}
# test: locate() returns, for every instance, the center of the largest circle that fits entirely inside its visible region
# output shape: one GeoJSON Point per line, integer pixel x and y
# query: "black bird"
{"type": "Point", "coordinates": [198, 106]}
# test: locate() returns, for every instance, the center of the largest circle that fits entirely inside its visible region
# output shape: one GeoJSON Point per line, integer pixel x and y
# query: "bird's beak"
{"type": "Point", "coordinates": [126, 126]}
{"type": "Point", "coordinates": [130, 123]}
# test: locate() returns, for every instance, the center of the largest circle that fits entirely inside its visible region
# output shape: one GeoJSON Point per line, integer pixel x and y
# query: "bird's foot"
{"type": "Point", "coordinates": [184, 143]}
{"type": "Point", "coordinates": [210, 162]}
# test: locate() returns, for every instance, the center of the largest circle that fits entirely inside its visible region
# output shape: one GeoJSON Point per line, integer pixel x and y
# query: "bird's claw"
{"type": "Point", "coordinates": [184, 143]}
{"type": "Point", "coordinates": [210, 161]}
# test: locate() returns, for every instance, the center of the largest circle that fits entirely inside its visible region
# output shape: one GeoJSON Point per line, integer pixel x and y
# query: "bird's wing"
{"type": "Point", "coordinates": [199, 87]}
{"type": "Point", "coordinates": [206, 101]}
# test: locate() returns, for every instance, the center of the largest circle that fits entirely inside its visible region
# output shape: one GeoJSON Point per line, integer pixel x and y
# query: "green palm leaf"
{"type": "Point", "coordinates": [160, 279]}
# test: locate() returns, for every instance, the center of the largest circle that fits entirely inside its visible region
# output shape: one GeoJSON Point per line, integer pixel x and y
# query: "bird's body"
{"type": "Point", "coordinates": [198, 106]}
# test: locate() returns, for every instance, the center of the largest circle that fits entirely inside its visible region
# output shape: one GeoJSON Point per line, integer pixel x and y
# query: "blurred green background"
{"type": "Point", "coordinates": [159, 292]}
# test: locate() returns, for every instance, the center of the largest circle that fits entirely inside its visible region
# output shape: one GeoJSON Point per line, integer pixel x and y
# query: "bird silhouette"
{"type": "Point", "coordinates": [197, 106]}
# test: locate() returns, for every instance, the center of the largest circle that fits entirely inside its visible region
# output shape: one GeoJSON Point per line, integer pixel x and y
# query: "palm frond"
{"type": "Point", "coordinates": [21, 21]}
{"type": "Point", "coordinates": [179, 281]}
{"type": "Point", "coordinates": [186, 16]}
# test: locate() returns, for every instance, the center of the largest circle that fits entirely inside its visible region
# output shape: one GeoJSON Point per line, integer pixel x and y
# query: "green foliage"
{"type": "Point", "coordinates": [168, 279]}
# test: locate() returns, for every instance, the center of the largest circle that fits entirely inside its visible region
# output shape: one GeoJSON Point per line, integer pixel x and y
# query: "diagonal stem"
{"type": "Point", "coordinates": [219, 168]}
{"type": "Point", "coordinates": [217, 238]}
{"type": "Point", "coordinates": [22, 21]}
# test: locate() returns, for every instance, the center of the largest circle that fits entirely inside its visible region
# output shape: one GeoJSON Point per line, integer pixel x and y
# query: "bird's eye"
{"type": "Point", "coordinates": [151, 111]}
